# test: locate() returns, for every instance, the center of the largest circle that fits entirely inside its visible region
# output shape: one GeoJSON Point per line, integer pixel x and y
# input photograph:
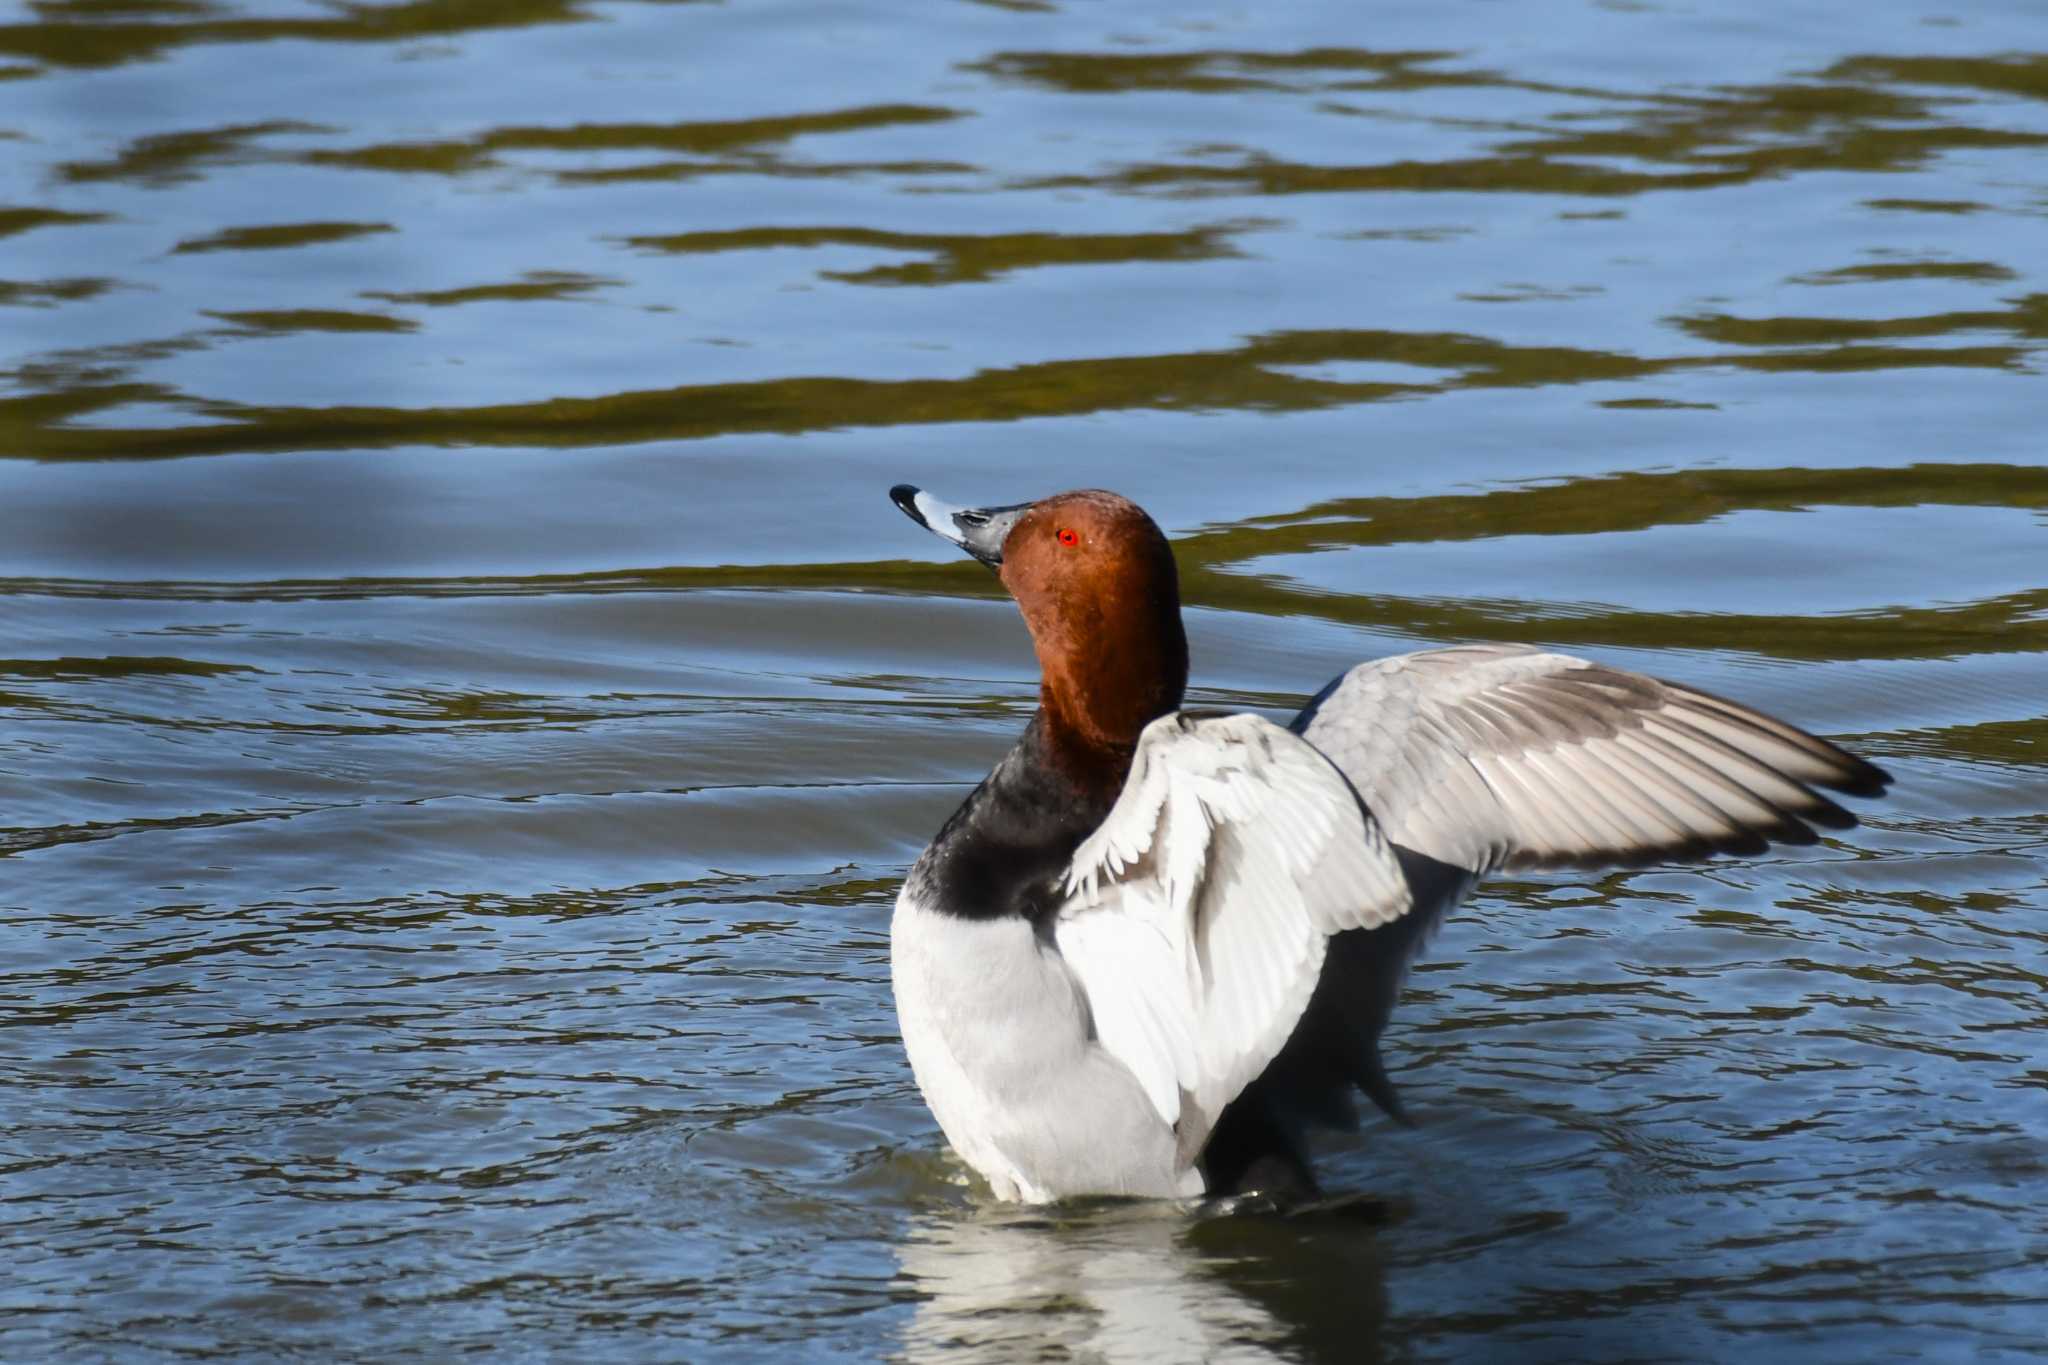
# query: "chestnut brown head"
{"type": "Point", "coordinates": [1095, 580]}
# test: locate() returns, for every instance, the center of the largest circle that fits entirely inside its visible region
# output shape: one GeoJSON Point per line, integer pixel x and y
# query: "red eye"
{"type": "Point", "coordinates": [1068, 536]}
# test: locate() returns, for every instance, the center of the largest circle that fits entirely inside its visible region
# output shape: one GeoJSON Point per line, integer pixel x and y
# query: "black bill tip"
{"type": "Point", "coordinates": [904, 495]}
{"type": "Point", "coordinates": [978, 530]}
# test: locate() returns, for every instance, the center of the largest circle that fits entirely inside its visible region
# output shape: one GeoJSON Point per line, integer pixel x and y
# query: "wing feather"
{"type": "Point", "coordinates": [1576, 763]}
{"type": "Point", "coordinates": [1197, 913]}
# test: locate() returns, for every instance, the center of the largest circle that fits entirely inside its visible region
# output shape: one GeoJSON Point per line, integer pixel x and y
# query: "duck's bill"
{"type": "Point", "coordinates": [980, 531]}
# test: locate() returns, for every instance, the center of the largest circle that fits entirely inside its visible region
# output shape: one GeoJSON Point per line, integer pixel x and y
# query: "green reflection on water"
{"type": "Point", "coordinates": [43, 293]}
{"type": "Point", "coordinates": [1977, 271]}
{"type": "Point", "coordinates": [2027, 317]}
{"type": "Point", "coordinates": [1847, 118]}
{"type": "Point", "coordinates": [959, 259]}
{"type": "Point", "coordinates": [163, 159]}
{"type": "Point", "coordinates": [535, 285]}
{"type": "Point", "coordinates": [26, 219]}
{"type": "Point", "coordinates": [129, 33]}
{"type": "Point", "coordinates": [314, 320]}
{"type": "Point", "coordinates": [1245, 377]}
{"type": "Point", "coordinates": [2015, 74]}
{"type": "Point", "coordinates": [1211, 574]}
{"type": "Point", "coordinates": [280, 236]}
{"type": "Point", "coordinates": [702, 138]}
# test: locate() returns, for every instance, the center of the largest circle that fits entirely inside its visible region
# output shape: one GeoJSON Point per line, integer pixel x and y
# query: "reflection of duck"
{"type": "Point", "coordinates": [1140, 1282]}
{"type": "Point", "coordinates": [1153, 946]}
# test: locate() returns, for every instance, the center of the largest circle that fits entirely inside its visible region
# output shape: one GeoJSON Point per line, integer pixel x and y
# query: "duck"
{"type": "Point", "coordinates": [1155, 948]}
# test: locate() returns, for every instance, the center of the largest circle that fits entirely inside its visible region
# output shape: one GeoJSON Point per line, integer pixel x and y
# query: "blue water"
{"type": "Point", "coordinates": [466, 702]}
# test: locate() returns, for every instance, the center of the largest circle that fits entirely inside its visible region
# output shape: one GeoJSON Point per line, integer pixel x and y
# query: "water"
{"type": "Point", "coordinates": [466, 701]}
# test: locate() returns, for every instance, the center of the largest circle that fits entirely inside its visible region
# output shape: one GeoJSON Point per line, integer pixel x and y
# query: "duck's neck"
{"type": "Point", "coordinates": [1093, 705]}
{"type": "Point", "coordinates": [1006, 850]}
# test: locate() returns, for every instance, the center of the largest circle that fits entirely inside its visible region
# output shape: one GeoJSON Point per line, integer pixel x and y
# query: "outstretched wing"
{"type": "Point", "coordinates": [1197, 913]}
{"type": "Point", "coordinates": [1489, 756]}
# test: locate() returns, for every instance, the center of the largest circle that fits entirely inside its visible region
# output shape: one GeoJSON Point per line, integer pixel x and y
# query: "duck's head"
{"type": "Point", "coordinates": [1095, 579]}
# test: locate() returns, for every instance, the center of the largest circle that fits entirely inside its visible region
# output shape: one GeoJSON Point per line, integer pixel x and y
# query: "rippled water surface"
{"type": "Point", "coordinates": [466, 702]}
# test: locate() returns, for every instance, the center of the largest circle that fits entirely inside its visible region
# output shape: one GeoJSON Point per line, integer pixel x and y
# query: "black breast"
{"type": "Point", "coordinates": [1006, 850]}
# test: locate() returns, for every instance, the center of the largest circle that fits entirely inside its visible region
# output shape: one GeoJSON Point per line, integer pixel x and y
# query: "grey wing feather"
{"type": "Point", "coordinates": [1488, 756]}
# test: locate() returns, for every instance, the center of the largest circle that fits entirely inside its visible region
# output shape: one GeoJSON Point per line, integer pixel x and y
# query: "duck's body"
{"type": "Point", "coordinates": [997, 1028]}
{"type": "Point", "coordinates": [1153, 947]}
{"type": "Point", "coordinates": [994, 1020]}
